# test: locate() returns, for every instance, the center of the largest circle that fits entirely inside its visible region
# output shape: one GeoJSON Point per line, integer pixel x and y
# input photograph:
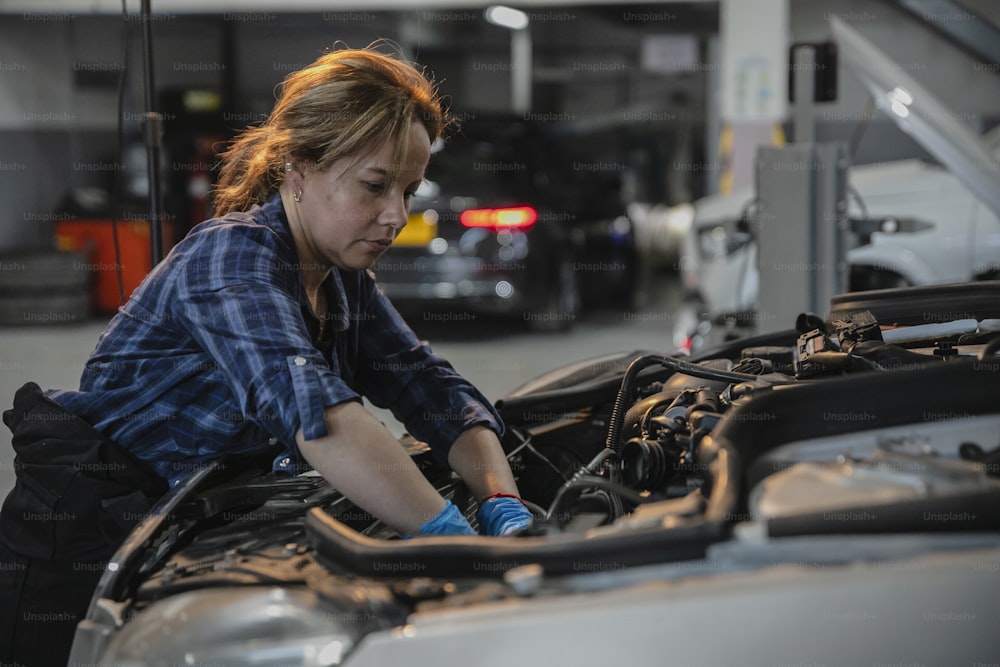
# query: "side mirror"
{"type": "Point", "coordinates": [865, 227]}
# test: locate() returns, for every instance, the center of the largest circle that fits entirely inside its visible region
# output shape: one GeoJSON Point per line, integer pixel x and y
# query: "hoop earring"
{"type": "Point", "coordinates": [289, 166]}
{"type": "Point", "coordinates": [297, 196]}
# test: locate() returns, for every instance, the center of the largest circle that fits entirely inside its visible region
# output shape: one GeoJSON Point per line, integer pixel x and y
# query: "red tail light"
{"type": "Point", "coordinates": [517, 217]}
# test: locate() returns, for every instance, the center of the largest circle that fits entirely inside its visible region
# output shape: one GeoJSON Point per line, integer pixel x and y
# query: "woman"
{"type": "Point", "coordinates": [260, 332]}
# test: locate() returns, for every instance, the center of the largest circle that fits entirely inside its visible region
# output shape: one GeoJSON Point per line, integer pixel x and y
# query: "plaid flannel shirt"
{"type": "Point", "coordinates": [217, 352]}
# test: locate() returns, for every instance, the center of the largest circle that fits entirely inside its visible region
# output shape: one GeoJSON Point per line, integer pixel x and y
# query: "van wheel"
{"type": "Point", "coordinates": [562, 303]}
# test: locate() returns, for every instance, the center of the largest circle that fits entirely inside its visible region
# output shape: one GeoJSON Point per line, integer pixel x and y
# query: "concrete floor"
{"type": "Point", "coordinates": [496, 356]}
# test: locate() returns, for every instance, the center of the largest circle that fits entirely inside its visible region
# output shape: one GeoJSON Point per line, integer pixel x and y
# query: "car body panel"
{"type": "Point", "coordinates": [710, 613]}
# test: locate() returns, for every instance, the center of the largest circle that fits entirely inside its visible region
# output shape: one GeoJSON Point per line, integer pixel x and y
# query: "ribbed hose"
{"type": "Point", "coordinates": [625, 393]}
{"type": "Point", "coordinates": [613, 445]}
{"type": "Point", "coordinates": [613, 441]}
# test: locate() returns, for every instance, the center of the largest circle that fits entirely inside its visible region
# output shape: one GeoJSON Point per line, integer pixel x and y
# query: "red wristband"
{"type": "Point", "coordinates": [503, 495]}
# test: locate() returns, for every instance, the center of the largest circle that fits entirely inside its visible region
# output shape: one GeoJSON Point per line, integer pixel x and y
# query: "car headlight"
{"type": "Point", "coordinates": [243, 626]}
{"type": "Point", "coordinates": [716, 242]}
{"type": "Point", "coordinates": [712, 243]}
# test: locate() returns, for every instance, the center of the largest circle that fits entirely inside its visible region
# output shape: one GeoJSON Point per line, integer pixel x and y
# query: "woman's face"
{"type": "Point", "coordinates": [348, 215]}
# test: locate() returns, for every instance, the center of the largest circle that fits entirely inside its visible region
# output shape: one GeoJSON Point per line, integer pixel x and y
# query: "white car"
{"type": "Point", "coordinates": [935, 223]}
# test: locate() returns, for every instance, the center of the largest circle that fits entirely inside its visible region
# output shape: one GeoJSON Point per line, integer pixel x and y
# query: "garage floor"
{"type": "Point", "coordinates": [497, 356]}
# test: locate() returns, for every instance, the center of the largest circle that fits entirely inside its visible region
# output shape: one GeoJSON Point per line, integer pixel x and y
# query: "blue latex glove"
{"type": "Point", "coordinates": [503, 516]}
{"type": "Point", "coordinates": [448, 521]}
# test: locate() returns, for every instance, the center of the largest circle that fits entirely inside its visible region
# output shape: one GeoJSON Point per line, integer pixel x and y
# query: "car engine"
{"type": "Point", "coordinates": [881, 419]}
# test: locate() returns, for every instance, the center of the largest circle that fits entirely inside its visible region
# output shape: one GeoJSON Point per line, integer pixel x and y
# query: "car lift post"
{"type": "Point", "coordinates": [801, 216]}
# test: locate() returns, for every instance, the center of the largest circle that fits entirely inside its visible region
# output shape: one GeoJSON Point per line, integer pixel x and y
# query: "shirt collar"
{"type": "Point", "coordinates": [272, 215]}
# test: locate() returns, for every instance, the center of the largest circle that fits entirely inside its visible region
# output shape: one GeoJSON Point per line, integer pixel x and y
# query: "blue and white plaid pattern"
{"type": "Point", "coordinates": [216, 353]}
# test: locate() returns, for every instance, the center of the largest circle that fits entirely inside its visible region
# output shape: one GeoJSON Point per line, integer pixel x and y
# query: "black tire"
{"type": "Point", "coordinates": [865, 278]}
{"type": "Point", "coordinates": [43, 272]}
{"type": "Point", "coordinates": [68, 308]}
{"type": "Point", "coordinates": [633, 294]}
{"type": "Point", "coordinates": [44, 287]}
{"type": "Point", "coordinates": [562, 303]}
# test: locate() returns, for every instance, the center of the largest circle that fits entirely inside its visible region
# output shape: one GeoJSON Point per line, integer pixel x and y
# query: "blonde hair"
{"type": "Point", "coordinates": [347, 102]}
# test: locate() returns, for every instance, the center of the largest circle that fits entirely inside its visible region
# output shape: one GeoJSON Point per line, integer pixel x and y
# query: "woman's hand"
{"type": "Point", "coordinates": [479, 459]}
{"type": "Point", "coordinates": [362, 460]}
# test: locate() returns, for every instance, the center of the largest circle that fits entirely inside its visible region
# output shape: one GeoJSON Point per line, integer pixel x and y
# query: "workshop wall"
{"type": "Point", "coordinates": [59, 78]}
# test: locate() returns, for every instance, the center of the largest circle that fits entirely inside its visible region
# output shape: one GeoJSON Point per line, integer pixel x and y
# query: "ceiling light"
{"type": "Point", "coordinates": [506, 17]}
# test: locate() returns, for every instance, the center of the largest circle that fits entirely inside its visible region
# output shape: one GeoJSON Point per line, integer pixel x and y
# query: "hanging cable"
{"type": "Point", "coordinates": [153, 132]}
{"type": "Point", "coordinates": [116, 187]}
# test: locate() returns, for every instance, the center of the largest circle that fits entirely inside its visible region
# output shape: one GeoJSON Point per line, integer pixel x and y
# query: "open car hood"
{"type": "Point", "coordinates": [920, 114]}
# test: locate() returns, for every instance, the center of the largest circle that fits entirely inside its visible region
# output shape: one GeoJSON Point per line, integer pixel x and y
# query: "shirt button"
{"type": "Point", "coordinates": [299, 361]}
{"type": "Point", "coordinates": [272, 441]}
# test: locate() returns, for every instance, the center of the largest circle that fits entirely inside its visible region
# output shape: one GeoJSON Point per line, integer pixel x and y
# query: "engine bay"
{"type": "Point", "coordinates": [869, 436]}
{"type": "Point", "coordinates": [841, 426]}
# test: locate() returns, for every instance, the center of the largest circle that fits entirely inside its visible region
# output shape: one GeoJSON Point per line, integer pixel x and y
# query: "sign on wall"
{"type": "Point", "coordinates": [754, 60]}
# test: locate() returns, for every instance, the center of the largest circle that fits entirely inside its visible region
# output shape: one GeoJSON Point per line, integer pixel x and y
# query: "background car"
{"type": "Point", "coordinates": [505, 225]}
{"type": "Point", "coordinates": [926, 228]}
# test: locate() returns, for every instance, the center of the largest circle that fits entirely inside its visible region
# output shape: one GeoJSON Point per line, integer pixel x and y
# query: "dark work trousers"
{"type": "Point", "coordinates": [76, 497]}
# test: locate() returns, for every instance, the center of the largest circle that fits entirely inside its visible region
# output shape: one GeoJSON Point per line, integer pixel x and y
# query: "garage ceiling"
{"type": "Point", "coordinates": [215, 6]}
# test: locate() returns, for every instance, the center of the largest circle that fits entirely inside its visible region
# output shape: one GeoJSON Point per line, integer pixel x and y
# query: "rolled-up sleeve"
{"type": "Point", "coordinates": [242, 310]}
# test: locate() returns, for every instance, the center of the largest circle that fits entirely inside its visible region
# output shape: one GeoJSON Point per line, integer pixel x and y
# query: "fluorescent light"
{"type": "Point", "coordinates": [900, 101]}
{"type": "Point", "coordinates": [506, 17]}
{"type": "Point", "coordinates": [902, 95]}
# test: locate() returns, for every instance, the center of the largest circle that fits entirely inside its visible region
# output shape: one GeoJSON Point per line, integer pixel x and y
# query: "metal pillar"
{"type": "Point", "coordinates": [802, 230]}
